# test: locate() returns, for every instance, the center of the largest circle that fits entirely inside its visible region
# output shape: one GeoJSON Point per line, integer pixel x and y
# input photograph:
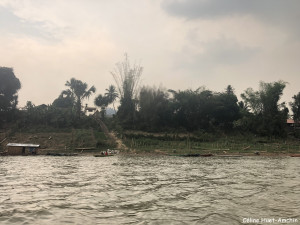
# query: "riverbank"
{"type": "Point", "coordinates": [93, 141]}
{"type": "Point", "coordinates": [157, 152]}
{"type": "Point", "coordinates": [58, 140]}
{"type": "Point", "coordinates": [205, 143]}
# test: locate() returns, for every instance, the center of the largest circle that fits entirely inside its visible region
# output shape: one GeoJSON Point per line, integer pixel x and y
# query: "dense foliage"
{"type": "Point", "coordinates": [156, 109]}
{"type": "Point", "coordinates": [9, 86]}
{"type": "Point", "coordinates": [78, 91]}
{"type": "Point", "coordinates": [127, 78]}
{"type": "Point", "coordinates": [295, 105]}
{"type": "Point", "coordinates": [266, 115]}
{"type": "Point", "coordinates": [260, 112]}
{"type": "Point", "coordinates": [186, 110]}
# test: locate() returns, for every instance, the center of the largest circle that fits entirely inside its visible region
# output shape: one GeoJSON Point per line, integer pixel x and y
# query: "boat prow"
{"type": "Point", "coordinates": [230, 156]}
{"type": "Point", "coordinates": [102, 155]}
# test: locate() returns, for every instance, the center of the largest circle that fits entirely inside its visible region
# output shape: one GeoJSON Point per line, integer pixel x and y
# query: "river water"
{"type": "Point", "coordinates": [149, 190]}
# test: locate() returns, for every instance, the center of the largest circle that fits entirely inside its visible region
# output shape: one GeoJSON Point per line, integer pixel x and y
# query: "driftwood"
{"type": "Point", "coordinates": [246, 148]}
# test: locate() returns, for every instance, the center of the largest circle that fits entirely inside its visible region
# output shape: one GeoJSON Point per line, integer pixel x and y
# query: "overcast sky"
{"type": "Point", "coordinates": [180, 43]}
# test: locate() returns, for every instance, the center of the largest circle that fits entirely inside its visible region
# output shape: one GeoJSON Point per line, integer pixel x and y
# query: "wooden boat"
{"type": "Point", "coordinates": [61, 154]}
{"type": "Point", "coordinates": [3, 153]}
{"type": "Point", "coordinates": [233, 156]}
{"type": "Point", "coordinates": [108, 152]}
{"type": "Point", "coordinates": [100, 155]}
{"type": "Point", "coordinates": [295, 155]}
{"type": "Point", "coordinates": [195, 155]}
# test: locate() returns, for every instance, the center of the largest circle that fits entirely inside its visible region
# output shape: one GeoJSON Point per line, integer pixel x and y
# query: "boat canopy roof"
{"type": "Point", "coordinates": [23, 145]}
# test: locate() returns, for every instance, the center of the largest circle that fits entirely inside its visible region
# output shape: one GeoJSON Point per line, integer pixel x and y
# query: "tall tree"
{"type": "Point", "coordinates": [265, 100]}
{"type": "Point", "coordinates": [226, 109]}
{"type": "Point", "coordinates": [112, 95]}
{"type": "Point", "coordinates": [102, 102]}
{"type": "Point", "coordinates": [192, 109]}
{"type": "Point", "coordinates": [64, 100]}
{"type": "Point", "coordinates": [80, 91]}
{"type": "Point", "coordinates": [154, 109]}
{"type": "Point", "coordinates": [127, 78]}
{"type": "Point", "coordinates": [295, 106]}
{"type": "Point", "coordinates": [229, 90]}
{"type": "Point", "coordinates": [9, 86]}
{"type": "Point", "coordinates": [269, 115]}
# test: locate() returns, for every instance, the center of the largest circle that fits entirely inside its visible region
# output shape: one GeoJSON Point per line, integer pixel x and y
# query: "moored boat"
{"type": "Point", "coordinates": [3, 153]}
{"type": "Point", "coordinates": [61, 154]}
{"type": "Point", "coordinates": [100, 155]}
{"type": "Point", "coordinates": [195, 155]}
{"type": "Point", "coordinates": [295, 155]}
{"type": "Point", "coordinates": [106, 153]}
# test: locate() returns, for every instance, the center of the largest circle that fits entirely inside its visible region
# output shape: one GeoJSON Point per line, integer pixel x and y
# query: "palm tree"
{"type": "Point", "coordinates": [79, 91]}
{"type": "Point", "coordinates": [111, 95]}
{"type": "Point", "coordinates": [102, 102]}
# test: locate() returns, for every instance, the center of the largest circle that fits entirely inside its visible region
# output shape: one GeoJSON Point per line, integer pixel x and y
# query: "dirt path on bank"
{"type": "Point", "coordinates": [120, 144]}
{"type": "Point", "coordinates": [110, 135]}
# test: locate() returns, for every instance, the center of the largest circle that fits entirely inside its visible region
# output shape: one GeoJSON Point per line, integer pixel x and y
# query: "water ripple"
{"type": "Point", "coordinates": [147, 190]}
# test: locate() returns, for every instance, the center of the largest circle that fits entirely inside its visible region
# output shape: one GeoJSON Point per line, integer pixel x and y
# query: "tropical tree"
{"type": "Point", "coordinates": [192, 109]}
{"type": "Point", "coordinates": [102, 102]}
{"type": "Point", "coordinates": [226, 109]}
{"type": "Point", "coordinates": [229, 90]}
{"type": "Point", "coordinates": [203, 109]}
{"type": "Point", "coordinates": [9, 86]}
{"type": "Point", "coordinates": [295, 106]}
{"type": "Point", "coordinates": [46, 115]}
{"type": "Point", "coordinates": [112, 95]}
{"type": "Point", "coordinates": [127, 78]}
{"type": "Point", "coordinates": [154, 109]}
{"type": "Point", "coordinates": [269, 115]}
{"type": "Point", "coordinates": [64, 100]}
{"type": "Point", "coordinates": [79, 91]}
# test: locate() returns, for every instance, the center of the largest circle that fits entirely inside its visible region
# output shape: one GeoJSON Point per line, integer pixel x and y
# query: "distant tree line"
{"type": "Point", "coordinates": [155, 109]}
{"type": "Point", "coordinates": [259, 112]}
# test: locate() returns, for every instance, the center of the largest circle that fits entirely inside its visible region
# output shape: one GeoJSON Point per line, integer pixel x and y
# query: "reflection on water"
{"type": "Point", "coordinates": [147, 190]}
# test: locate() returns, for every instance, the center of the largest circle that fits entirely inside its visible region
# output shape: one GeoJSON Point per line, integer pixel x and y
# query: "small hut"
{"type": "Point", "coordinates": [89, 110]}
{"type": "Point", "coordinates": [22, 149]}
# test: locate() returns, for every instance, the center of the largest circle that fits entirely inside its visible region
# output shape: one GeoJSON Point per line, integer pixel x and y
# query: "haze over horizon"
{"type": "Point", "coordinates": [180, 43]}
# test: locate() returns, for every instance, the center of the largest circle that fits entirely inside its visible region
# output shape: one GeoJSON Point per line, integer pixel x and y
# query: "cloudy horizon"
{"type": "Point", "coordinates": [180, 43]}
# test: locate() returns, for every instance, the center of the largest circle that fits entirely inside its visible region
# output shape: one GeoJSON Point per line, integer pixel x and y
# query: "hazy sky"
{"type": "Point", "coordinates": [180, 43]}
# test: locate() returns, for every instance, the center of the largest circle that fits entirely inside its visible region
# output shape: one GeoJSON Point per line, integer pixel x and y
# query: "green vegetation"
{"type": "Point", "coordinates": [184, 144]}
{"type": "Point", "coordinates": [9, 86]}
{"type": "Point", "coordinates": [103, 101]}
{"type": "Point", "coordinates": [127, 78]}
{"type": "Point", "coordinates": [267, 116]}
{"type": "Point", "coordinates": [78, 91]}
{"type": "Point", "coordinates": [295, 105]}
{"type": "Point", "coordinates": [189, 120]}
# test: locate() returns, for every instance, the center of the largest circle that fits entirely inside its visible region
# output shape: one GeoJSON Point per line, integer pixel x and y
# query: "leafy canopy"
{"type": "Point", "coordinates": [9, 86]}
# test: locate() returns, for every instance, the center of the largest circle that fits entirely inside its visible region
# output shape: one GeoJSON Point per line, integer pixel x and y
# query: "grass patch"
{"type": "Point", "coordinates": [41, 129]}
{"type": "Point", "coordinates": [99, 135]}
{"type": "Point", "coordinates": [82, 138]}
{"type": "Point", "coordinates": [195, 144]}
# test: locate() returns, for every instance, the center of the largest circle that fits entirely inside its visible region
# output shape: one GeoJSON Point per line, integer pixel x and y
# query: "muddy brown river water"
{"type": "Point", "coordinates": [149, 190]}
